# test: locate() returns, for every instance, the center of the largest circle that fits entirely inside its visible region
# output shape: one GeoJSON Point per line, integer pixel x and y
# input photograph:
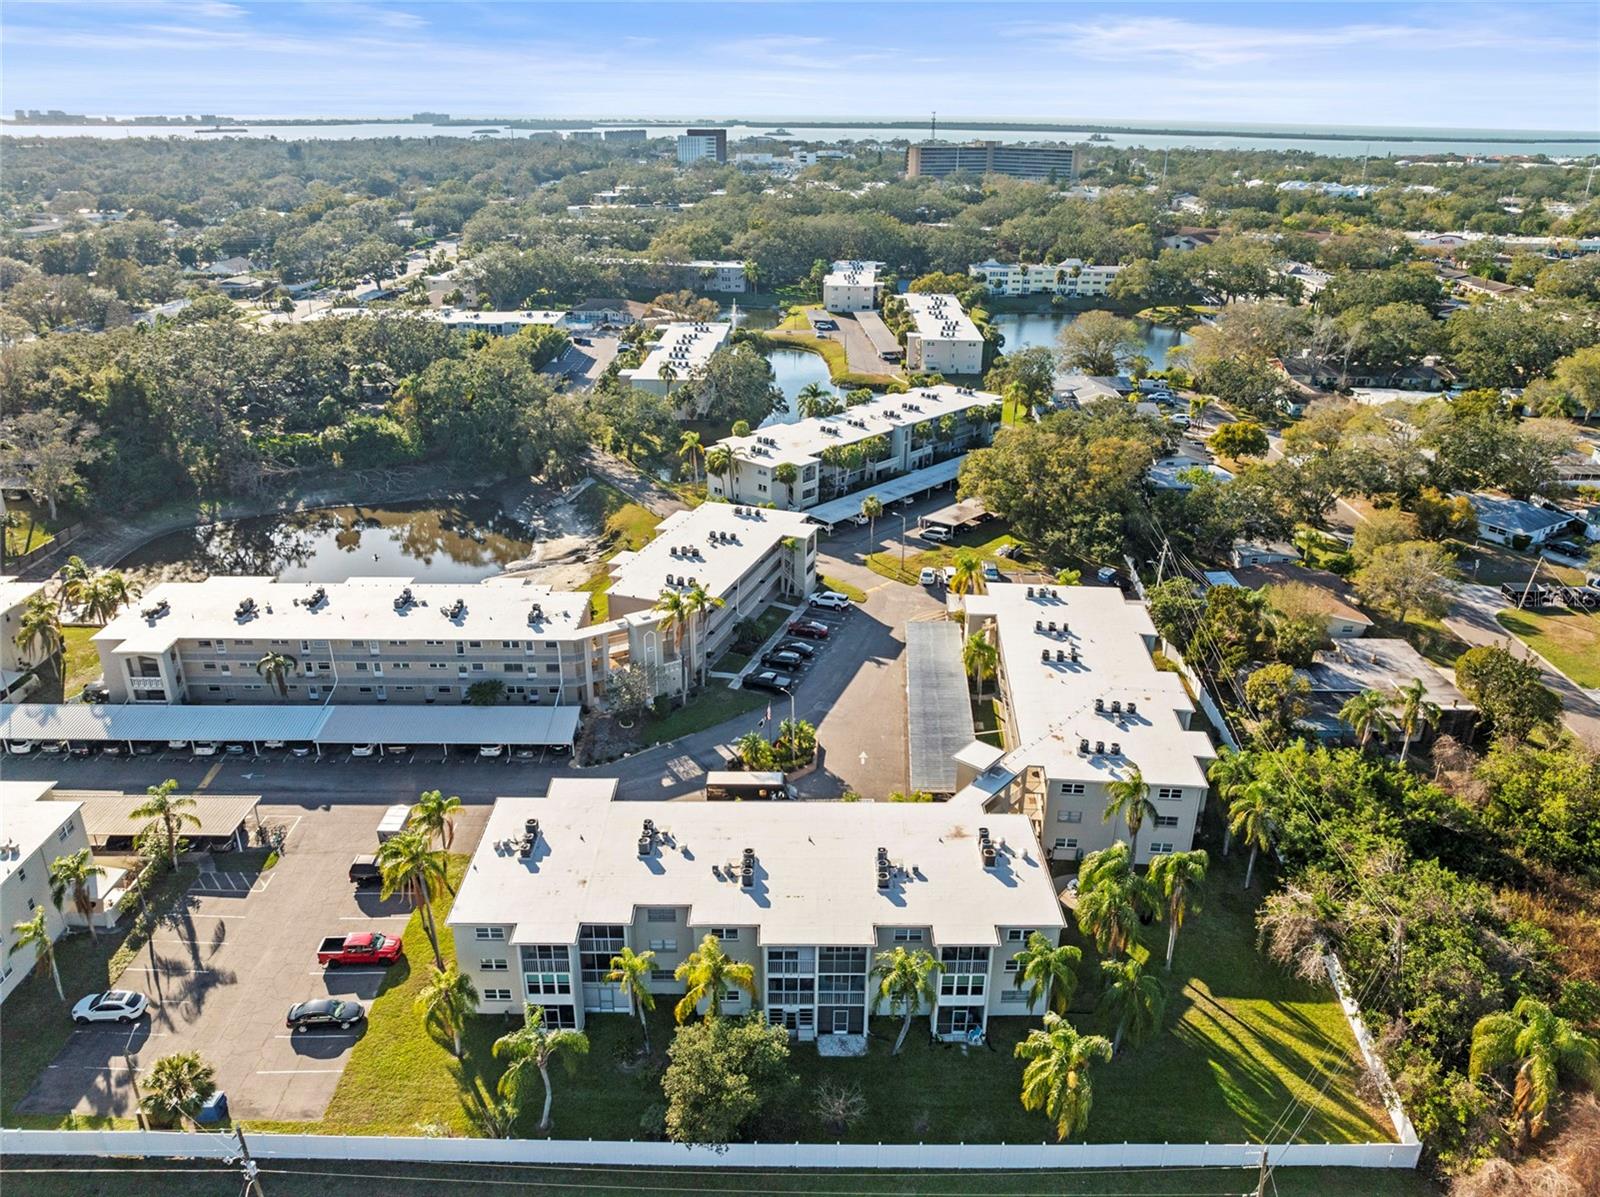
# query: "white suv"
{"type": "Point", "coordinates": [830, 599]}
{"type": "Point", "coordinates": [115, 1005]}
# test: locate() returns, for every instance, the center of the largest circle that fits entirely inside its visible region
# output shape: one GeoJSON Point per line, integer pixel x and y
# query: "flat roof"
{"type": "Point", "coordinates": [884, 342]}
{"type": "Point", "coordinates": [1052, 702]}
{"type": "Point", "coordinates": [956, 515]}
{"type": "Point", "coordinates": [939, 723]}
{"type": "Point", "coordinates": [359, 609]}
{"type": "Point", "coordinates": [852, 274]}
{"type": "Point", "coordinates": [1383, 664]}
{"type": "Point", "coordinates": [466, 318]}
{"type": "Point", "coordinates": [802, 441]}
{"type": "Point", "coordinates": [815, 869]}
{"type": "Point", "coordinates": [30, 821]}
{"type": "Point", "coordinates": [940, 318]}
{"type": "Point", "coordinates": [714, 543]}
{"type": "Point", "coordinates": [686, 346]}
{"type": "Point", "coordinates": [14, 592]}
{"type": "Point", "coordinates": [890, 491]}
{"type": "Point", "coordinates": [350, 723]}
{"type": "Point", "coordinates": [109, 814]}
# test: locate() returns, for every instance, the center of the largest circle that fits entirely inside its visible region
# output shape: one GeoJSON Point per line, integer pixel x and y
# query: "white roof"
{"type": "Point", "coordinates": [30, 821]}
{"type": "Point", "coordinates": [359, 609]}
{"type": "Point", "coordinates": [940, 318]}
{"type": "Point", "coordinates": [1052, 703]}
{"type": "Point", "coordinates": [743, 536]}
{"type": "Point", "coordinates": [815, 869]}
{"type": "Point", "coordinates": [466, 318]}
{"type": "Point", "coordinates": [687, 346]}
{"type": "Point", "coordinates": [846, 273]}
{"type": "Point", "coordinates": [801, 442]}
{"type": "Point", "coordinates": [14, 592]}
{"type": "Point", "coordinates": [890, 490]}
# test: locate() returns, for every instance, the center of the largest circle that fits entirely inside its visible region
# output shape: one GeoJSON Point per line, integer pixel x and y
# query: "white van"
{"type": "Point", "coordinates": [936, 533]}
{"type": "Point", "coordinates": [394, 822]}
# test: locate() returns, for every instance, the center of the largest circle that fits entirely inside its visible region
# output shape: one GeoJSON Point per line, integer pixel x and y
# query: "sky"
{"type": "Point", "coordinates": [1463, 65]}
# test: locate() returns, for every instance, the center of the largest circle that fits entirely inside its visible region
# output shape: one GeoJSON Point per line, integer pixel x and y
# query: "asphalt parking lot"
{"type": "Point", "coordinates": [229, 960]}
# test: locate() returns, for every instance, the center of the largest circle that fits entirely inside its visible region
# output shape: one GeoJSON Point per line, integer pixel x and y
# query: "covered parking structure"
{"type": "Point", "coordinates": [890, 490]}
{"type": "Point", "coordinates": [135, 725]}
{"type": "Point", "coordinates": [967, 513]}
{"type": "Point", "coordinates": [939, 711]}
{"type": "Point", "coordinates": [222, 818]}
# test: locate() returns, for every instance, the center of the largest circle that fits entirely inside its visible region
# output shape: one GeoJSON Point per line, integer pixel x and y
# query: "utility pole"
{"type": "Point", "coordinates": [248, 1168]}
{"type": "Point", "coordinates": [902, 542]}
{"type": "Point", "coordinates": [1261, 1179]}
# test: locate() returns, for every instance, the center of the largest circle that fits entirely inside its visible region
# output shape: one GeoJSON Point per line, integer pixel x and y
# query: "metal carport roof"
{"type": "Point", "coordinates": [939, 723]}
{"type": "Point", "coordinates": [107, 815]}
{"type": "Point", "coordinates": [158, 722]}
{"type": "Point", "coordinates": [371, 724]}
{"type": "Point", "coordinates": [888, 491]}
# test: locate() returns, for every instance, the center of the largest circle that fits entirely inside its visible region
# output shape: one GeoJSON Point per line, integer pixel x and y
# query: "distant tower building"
{"type": "Point", "coordinates": [937, 159]}
{"type": "Point", "coordinates": [698, 144]}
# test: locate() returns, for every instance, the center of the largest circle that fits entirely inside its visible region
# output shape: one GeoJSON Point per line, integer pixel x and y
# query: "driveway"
{"type": "Point", "coordinates": [230, 959]}
{"type": "Point", "coordinates": [1472, 617]}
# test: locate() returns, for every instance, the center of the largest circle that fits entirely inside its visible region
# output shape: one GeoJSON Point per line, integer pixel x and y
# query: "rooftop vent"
{"type": "Point", "coordinates": [747, 875]}
{"type": "Point", "coordinates": [525, 847]}
{"type": "Point", "coordinates": [991, 854]}
{"type": "Point", "coordinates": [883, 878]}
{"type": "Point", "coordinates": [645, 844]}
{"type": "Point", "coordinates": [530, 828]}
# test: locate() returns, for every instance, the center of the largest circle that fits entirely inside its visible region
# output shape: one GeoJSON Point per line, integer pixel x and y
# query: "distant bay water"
{"type": "Point", "coordinates": [1336, 141]}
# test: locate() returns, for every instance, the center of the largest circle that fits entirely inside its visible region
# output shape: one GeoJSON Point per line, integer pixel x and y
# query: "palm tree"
{"type": "Point", "coordinates": [39, 631]}
{"type": "Point", "coordinates": [409, 865]}
{"type": "Point", "coordinates": [163, 806]}
{"type": "Point", "coordinates": [532, 1046]}
{"type": "Point", "coordinates": [448, 998]}
{"type": "Point", "coordinates": [1135, 999]}
{"type": "Point", "coordinates": [1049, 971]}
{"type": "Point", "coordinates": [1253, 817]}
{"type": "Point", "coordinates": [1128, 799]}
{"type": "Point", "coordinates": [1366, 713]}
{"type": "Point", "coordinates": [630, 972]}
{"type": "Point", "coordinates": [700, 600]}
{"type": "Point", "coordinates": [689, 447]}
{"type": "Point", "coordinates": [1111, 898]}
{"type": "Point", "coordinates": [787, 473]}
{"type": "Point", "coordinates": [176, 1087]}
{"type": "Point", "coordinates": [75, 575]}
{"type": "Point", "coordinates": [981, 657]}
{"type": "Point", "coordinates": [872, 509]}
{"type": "Point", "coordinates": [1416, 712]}
{"type": "Point", "coordinates": [1174, 875]}
{"type": "Point", "coordinates": [1197, 410]}
{"type": "Point", "coordinates": [76, 873]}
{"type": "Point", "coordinates": [708, 973]}
{"type": "Point", "coordinates": [277, 668]}
{"type": "Point", "coordinates": [719, 461]}
{"type": "Point", "coordinates": [676, 617]}
{"type": "Point", "coordinates": [32, 933]}
{"type": "Point", "coordinates": [668, 373]}
{"type": "Point", "coordinates": [104, 595]}
{"type": "Point", "coordinates": [435, 815]}
{"type": "Point", "coordinates": [968, 578]}
{"type": "Point", "coordinates": [812, 400]}
{"type": "Point", "coordinates": [1545, 1048]}
{"type": "Point", "coordinates": [907, 981]}
{"type": "Point", "coordinates": [1056, 1077]}
{"type": "Point", "coordinates": [1230, 773]}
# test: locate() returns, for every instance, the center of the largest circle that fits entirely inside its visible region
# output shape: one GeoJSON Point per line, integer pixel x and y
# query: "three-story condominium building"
{"type": "Point", "coordinates": [1070, 278]}
{"type": "Point", "coordinates": [943, 339]}
{"type": "Point", "coordinates": [833, 456]}
{"type": "Point", "coordinates": [1085, 706]}
{"type": "Point", "coordinates": [682, 351]}
{"type": "Point", "coordinates": [375, 640]}
{"type": "Point", "coordinates": [851, 286]}
{"type": "Point", "coordinates": [16, 660]}
{"type": "Point", "coordinates": [806, 893]}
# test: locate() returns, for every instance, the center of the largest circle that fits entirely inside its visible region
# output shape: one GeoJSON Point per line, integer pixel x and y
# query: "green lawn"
{"type": "Point", "coordinates": [49, 1177]}
{"type": "Point", "coordinates": [35, 1024]}
{"type": "Point", "coordinates": [854, 593]}
{"type": "Point", "coordinates": [986, 722]}
{"type": "Point", "coordinates": [1428, 636]}
{"type": "Point", "coordinates": [81, 663]}
{"type": "Point", "coordinates": [984, 539]}
{"type": "Point", "coordinates": [1493, 564]}
{"type": "Point", "coordinates": [28, 527]}
{"type": "Point", "coordinates": [623, 523]}
{"type": "Point", "coordinates": [1569, 640]}
{"type": "Point", "coordinates": [713, 705]}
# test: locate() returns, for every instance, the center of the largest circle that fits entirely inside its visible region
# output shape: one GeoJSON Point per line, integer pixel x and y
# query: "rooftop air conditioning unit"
{"type": "Point", "coordinates": [1083, 747]}
{"type": "Point", "coordinates": [747, 876]}
{"type": "Point", "coordinates": [1099, 747]}
{"type": "Point", "coordinates": [1061, 654]}
{"type": "Point", "coordinates": [1133, 708]}
{"type": "Point", "coordinates": [530, 828]}
{"type": "Point", "coordinates": [645, 844]}
{"type": "Point", "coordinates": [1116, 748]}
{"type": "Point", "coordinates": [1116, 706]}
{"type": "Point", "coordinates": [1044, 654]}
{"type": "Point", "coordinates": [883, 878]}
{"type": "Point", "coordinates": [1099, 705]}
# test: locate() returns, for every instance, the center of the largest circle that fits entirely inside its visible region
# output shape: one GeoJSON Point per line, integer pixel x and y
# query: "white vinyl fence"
{"type": "Point", "coordinates": [899, 1157]}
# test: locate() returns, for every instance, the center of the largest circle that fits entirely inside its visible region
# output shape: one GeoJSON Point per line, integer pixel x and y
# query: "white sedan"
{"type": "Point", "coordinates": [115, 1005]}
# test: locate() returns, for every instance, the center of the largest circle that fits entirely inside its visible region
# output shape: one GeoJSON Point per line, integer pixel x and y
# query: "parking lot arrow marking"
{"type": "Point", "coordinates": [249, 776]}
{"type": "Point", "coordinates": [863, 758]}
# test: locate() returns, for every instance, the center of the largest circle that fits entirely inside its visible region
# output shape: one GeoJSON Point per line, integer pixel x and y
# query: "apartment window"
{"type": "Point", "coordinates": [597, 944]}
{"type": "Point", "coordinates": [361, 666]}
{"type": "Point", "coordinates": [492, 964]}
{"type": "Point", "coordinates": [1013, 995]}
{"type": "Point", "coordinates": [211, 665]}
{"type": "Point", "coordinates": [663, 945]}
{"type": "Point", "coordinates": [1069, 816]}
{"type": "Point", "coordinates": [1065, 843]}
{"type": "Point", "coordinates": [497, 995]}
{"type": "Point", "coordinates": [661, 914]}
{"type": "Point", "coordinates": [1072, 787]}
{"type": "Point", "coordinates": [662, 974]}
{"type": "Point", "coordinates": [546, 969]}
{"type": "Point", "coordinates": [1158, 849]}
{"type": "Point", "coordinates": [1012, 965]}
{"type": "Point", "coordinates": [203, 643]}
{"type": "Point", "coordinates": [1170, 792]}
{"type": "Point", "coordinates": [552, 667]}
{"type": "Point", "coordinates": [908, 935]}
{"type": "Point", "coordinates": [725, 934]}
{"type": "Point", "coordinates": [22, 874]}
{"type": "Point", "coordinates": [511, 644]}
{"type": "Point", "coordinates": [1166, 820]}
{"type": "Point", "coordinates": [489, 932]}
{"type": "Point", "coordinates": [1016, 935]}
{"type": "Point", "coordinates": [965, 972]}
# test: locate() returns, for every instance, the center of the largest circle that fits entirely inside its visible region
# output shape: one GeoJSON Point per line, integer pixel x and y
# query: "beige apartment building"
{"type": "Point", "coordinates": [943, 339]}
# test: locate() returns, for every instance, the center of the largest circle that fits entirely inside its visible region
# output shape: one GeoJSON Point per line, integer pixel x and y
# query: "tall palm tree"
{"type": "Point", "coordinates": [1111, 898]}
{"type": "Point", "coordinates": [1416, 712]}
{"type": "Point", "coordinates": [277, 668]}
{"type": "Point", "coordinates": [788, 474]}
{"type": "Point", "coordinates": [699, 601]}
{"type": "Point", "coordinates": [176, 1087]}
{"type": "Point", "coordinates": [981, 657]}
{"type": "Point", "coordinates": [1197, 410]}
{"type": "Point", "coordinates": [75, 575]}
{"type": "Point", "coordinates": [435, 815]}
{"type": "Point", "coordinates": [105, 595]}
{"type": "Point", "coordinates": [1545, 1048]}
{"type": "Point", "coordinates": [907, 980]}
{"type": "Point", "coordinates": [32, 933]}
{"type": "Point", "coordinates": [1253, 817]}
{"type": "Point", "coordinates": [410, 865]}
{"type": "Point", "coordinates": [630, 972]}
{"type": "Point", "coordinates": [1367, 713]}
{"type": "Point", "coordinates": [708, 973]}
{"type": "Point", "coordinates": [76, 873]}
{"type": "Point", "coordinates": [1174, 876]}
{"type": "Point", "coordinates": [1049, 971]}
{"type": "Point", "coordinates": [39, 631]}
{"type": "Point", "coordinates": [872, 509]}
{"type": "Point", "coordinates": [1128, 799]}
{"type": "Point", "coordinates": [1056, 1078]}
{"type": "Point", "coordinates": [532, 1046]}
{"type": "Point", "coordinates": [689, 447]}
{"type": "Point", "coordinates": [968, 578]}
{"type": "Point", "coordinates": [164, 806]}
{"type": "Point", "coordinates": [719, 461]}
{"type": "Point", "coordinates": [668, 373]}
{"type": "Point", "coordinates": [676, 618]}
{"type": "Point", "coordinates": [812, 400]}
{"type": "Point", "coordinates": [1229, 774]}
{"type": "Point", "coordinates": [1133, 998]}
{"type": "Point", "coordinates": [448, 999]}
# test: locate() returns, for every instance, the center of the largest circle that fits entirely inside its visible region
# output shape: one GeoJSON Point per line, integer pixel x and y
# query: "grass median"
{"type": "Point", "coordinates": [1569, 640]}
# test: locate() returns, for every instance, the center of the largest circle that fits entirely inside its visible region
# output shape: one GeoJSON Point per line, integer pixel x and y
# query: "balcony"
{"type": "Point", "coordinates": [147, 684]}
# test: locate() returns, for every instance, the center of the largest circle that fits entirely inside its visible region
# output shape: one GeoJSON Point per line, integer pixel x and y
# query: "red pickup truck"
{"type": "Point", "coordinates": [364, 947]}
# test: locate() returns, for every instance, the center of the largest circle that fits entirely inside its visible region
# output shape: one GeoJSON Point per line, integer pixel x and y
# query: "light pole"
{"type": "Point", "coordinates": [902, 541]}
